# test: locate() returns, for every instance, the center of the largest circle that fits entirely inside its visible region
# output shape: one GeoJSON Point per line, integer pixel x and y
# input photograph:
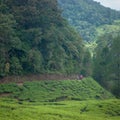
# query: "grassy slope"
{"type": "Point", "coordinates": [71, 100]}
{"type": "Point", "coordinates": [56, 90]}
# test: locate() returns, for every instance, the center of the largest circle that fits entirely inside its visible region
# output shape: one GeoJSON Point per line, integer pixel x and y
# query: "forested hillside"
{"type": "Point", "coordinates": [100, 27]}
{"type": "Point", "coordinates": [106, 30]}
{"type": "Point", "coordinates": [34, 38]}
{"type": "Point", "coordinates": [107, 62]}
{"type": "Point", "coordinates": [87, 15]}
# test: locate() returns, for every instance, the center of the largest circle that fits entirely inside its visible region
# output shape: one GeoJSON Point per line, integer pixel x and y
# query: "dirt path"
{"type": "Point", "coordinates": [32, 77]}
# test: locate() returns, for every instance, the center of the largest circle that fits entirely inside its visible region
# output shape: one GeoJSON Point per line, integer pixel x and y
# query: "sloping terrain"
{"type": "Point", "coordinates": [54, 90]}
{"type": "Point", "coordinates": [87, 15]}
{"type": "Point", "coordinates": [57, 100]}
{"type": "Point", "coordinates": [34, 38]}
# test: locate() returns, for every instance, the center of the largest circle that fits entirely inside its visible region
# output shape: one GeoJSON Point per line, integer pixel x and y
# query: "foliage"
{"type": "Point", "coordinates": [107, 63]}
{"type": "Point", "coordinates": [52, 91]}
{"type": "Point", "coordinates": [11, 109]}
{"type": "Point", "coordinates": [107, 29]}
{"type": "Point", "coordinates": [87, 15]}
{"type": "Point", "coordinates": [34, 38]}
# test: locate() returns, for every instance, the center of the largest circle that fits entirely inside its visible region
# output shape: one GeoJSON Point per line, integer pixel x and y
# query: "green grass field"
{"type": "Point", "coordinates": [58, 100]}
{"type": "Point", "coordinates": [65, 110]}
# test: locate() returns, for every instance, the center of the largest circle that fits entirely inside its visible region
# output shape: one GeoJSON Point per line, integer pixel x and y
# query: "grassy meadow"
{"type": "Point", "coordinates": [57, 100]}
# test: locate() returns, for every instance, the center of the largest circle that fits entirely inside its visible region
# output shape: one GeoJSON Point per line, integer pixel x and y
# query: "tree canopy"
{"type": "Point", "coordinates": [34, 38]}
{"type": "Point", "coordinates": [107, 63]}
{"type": "Point", "coordinates": [87, 15]}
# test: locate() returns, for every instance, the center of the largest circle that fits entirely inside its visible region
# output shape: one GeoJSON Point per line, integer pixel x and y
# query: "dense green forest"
{"type": "Point", "coordinates": [87, 15]}
{"type": "Point", "coordinates": [107, 62]}
{"type": "Point", "coordinates": [34, 38]}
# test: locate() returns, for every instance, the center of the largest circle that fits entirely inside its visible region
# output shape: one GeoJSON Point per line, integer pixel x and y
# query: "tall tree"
{"type": "Point", "coordinates": [107, 64]}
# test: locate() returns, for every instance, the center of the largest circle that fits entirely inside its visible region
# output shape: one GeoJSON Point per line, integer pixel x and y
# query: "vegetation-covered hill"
{"type": "Point", "coordinates": [52, 91]}
{"type": "Point", "coordinates": [86, 15]}
{"type": "Point", "coordinates": [107, 30]}
{"type": "Point", "coordinates": [98, 23]}
{"type": "Point", "coordinates": [57, 100]}
{"type": "Point", "coordinates": [34, 38]}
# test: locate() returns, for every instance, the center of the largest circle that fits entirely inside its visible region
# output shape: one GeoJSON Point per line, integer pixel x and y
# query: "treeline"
{"type": "Point", "coordinates": [34, 38]}
{"type": "Point", "coordinates": [87, 15]}
{"type": "Point", "coordinates": [107, 63]}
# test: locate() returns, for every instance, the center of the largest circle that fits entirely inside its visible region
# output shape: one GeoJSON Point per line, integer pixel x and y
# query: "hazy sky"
{"type": "Point", "coordinates": [114, 4]}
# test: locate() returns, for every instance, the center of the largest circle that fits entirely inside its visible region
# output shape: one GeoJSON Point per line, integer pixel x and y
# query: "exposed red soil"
{"type": "Point", "coordinates": [32, 77]}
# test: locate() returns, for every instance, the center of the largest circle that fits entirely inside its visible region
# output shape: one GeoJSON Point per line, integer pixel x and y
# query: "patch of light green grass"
{"type": "Point", "coordinates": [65, 110]}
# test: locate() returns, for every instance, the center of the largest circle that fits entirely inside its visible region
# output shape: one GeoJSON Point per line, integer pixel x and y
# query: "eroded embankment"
{"type": "Point", "coordinates": [33, 77]}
